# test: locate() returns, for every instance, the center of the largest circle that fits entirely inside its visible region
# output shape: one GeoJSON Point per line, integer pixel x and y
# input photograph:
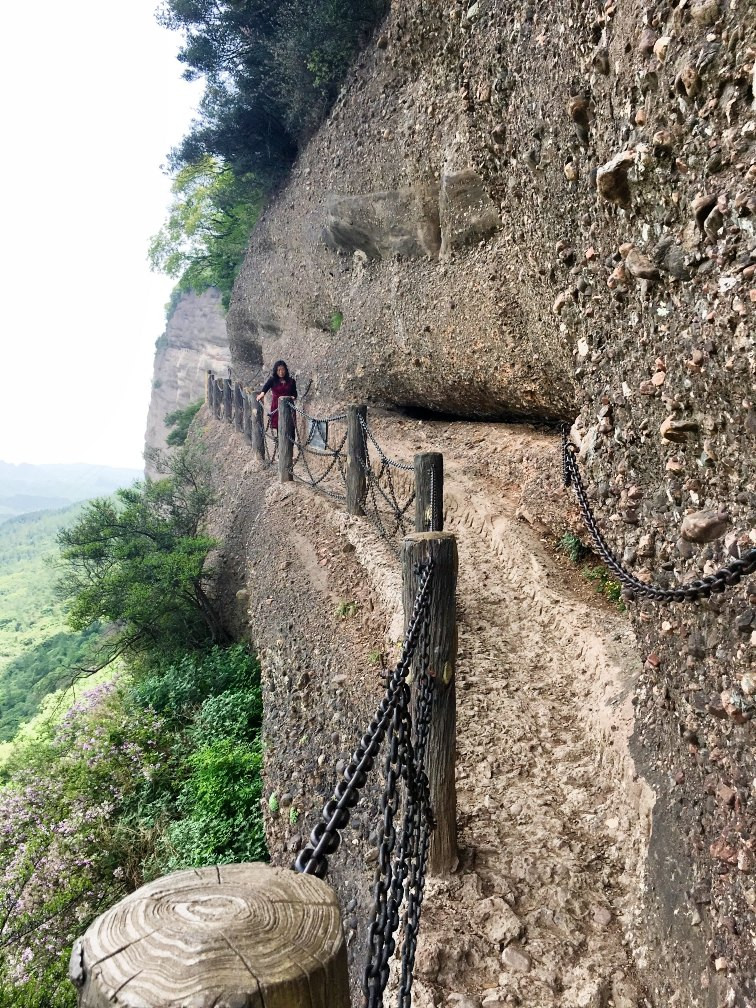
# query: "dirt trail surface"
{"type": "Point", "coordinates": [553, 823]}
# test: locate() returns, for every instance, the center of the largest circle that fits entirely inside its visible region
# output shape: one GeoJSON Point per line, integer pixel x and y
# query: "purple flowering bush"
{"type": "Point", "coordinates": [64, 856]}
{"type": "Point", "coordinates": [156, 772]}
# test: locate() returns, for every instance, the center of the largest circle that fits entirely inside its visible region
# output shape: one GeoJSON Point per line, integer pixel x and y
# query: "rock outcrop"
{"type": "Point", "coordinates": [194, 342]}
{"type": "Point", "coordinates": [548, 210]}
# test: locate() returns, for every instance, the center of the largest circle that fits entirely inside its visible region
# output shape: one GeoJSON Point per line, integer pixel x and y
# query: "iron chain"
{"type": "Point", "coordinates": [634, 588]}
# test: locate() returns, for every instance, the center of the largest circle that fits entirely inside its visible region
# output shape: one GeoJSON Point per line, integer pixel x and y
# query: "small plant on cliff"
{"type": "Point", "coordinates": [336, 319]}
{"type": "Point", "coordinates": [572, 547]}
{"type": "Point", "coordinates": [180, 420]}
{"type": "Point", "coordinates": [605, 584]}
{"type": "Point", "coordinates": [293, 815]}
{"type": "Point", "coordinates": [345, 610]}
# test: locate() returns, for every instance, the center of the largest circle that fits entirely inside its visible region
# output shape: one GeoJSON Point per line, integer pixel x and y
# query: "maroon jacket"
{"type": "Point", "coordinates": [279, 387]}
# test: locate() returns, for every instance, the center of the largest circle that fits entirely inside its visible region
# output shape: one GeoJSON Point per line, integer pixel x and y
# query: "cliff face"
{"type": "Point", "coordinates": [194, 342]}
{"type": "Point", "coordinates": [548, 209]}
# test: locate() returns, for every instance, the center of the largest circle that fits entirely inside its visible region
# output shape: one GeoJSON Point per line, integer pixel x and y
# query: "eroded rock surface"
{"type": "Point", "coordinates": [618, 144]}
{"type": "Point", "coordinates": [194, 342]}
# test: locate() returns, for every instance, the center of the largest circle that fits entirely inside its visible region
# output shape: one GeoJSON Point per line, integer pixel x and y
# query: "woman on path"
{"type": "Point", "coordinates": [279, 384]}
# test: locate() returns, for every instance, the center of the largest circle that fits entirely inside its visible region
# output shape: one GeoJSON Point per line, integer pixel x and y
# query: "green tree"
{"type": "Point", "coordinates": [139, 560]}
{"type": "Point", "coordinates": [180, 420]}
{"type": "Point", "coordinates": [202, 242]}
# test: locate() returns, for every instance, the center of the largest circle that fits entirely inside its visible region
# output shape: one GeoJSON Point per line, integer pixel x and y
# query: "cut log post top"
{"type": "Point", "coordinates": [241, 936]}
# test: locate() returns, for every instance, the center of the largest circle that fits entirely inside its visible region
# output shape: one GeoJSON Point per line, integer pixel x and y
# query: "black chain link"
{"type": "Point", "coordinates": [325, 837]}
{"type": "Point", "coordinates": [634, 588]}
{"type": "Point", "coordinates": [375, 479]}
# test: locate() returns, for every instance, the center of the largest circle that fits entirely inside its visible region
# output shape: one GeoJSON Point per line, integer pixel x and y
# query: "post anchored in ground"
{"type": "Point", "coordinates": [440, 760]}
{"type": "Point", "coordinates": [286, 423]}
{"type": "Point", "coordinates": [429, 492]}
{"type": "Point", "coordinates": [356, 479]}
{"type": "Point", "coordinates": [237, 935]}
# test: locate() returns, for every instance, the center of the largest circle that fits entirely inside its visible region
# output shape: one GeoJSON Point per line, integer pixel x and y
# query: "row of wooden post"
{"type": "Point", "coordinates": [240, 408]}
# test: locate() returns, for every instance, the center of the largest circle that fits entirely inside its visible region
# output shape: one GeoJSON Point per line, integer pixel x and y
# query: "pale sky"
{"type": "Point", "coordinates": [92, 101]}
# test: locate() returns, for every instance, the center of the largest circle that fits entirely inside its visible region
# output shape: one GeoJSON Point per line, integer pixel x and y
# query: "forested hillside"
{"type": "Point", "coordinates": [37, 650]}
{"type": "Point", "coordinates": [157, 768]}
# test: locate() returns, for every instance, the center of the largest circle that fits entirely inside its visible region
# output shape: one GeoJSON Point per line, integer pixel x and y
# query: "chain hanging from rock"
{"type": "Point", "coordinates": [634, 588]}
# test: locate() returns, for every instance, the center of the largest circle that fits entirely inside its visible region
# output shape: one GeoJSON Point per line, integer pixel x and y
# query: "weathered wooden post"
{"type": "Point", "coordinates": [248, 411]}
{"type": "Point", "coordinates": [440, 753]}
{"type": "Point", "coordinates": [356, 480]}
{"type": "Point", "coordinates": [228, 400]}
{"type": "Point", "coordinates": [238, 934]}
{"type": "Point", "coordinates": [209, 389]}
{"type": "Point", "coordinates": [239, 408]}
{"type": "Point", "coordinates": [218, 398]}
{"type": "Point", "coordinates": [258, 430]}
{"type": "Point", "coordinates": [429, 492]}
{"type": "Point", "coordinates": [285, 439]}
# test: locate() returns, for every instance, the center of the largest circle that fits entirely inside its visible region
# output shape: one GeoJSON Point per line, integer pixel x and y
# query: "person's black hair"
{"type": "Point", "coordinates": [276, 366]}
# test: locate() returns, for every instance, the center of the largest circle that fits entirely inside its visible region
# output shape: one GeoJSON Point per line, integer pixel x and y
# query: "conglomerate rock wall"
{"type": "Point", "coordinates": [194, 342]}
{"type": "Point", "coordinates": [548, 209]}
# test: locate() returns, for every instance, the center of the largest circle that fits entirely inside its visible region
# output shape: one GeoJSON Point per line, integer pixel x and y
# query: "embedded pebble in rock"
{"type": "Point", "coordinates": [515, 959]}
{"type": "Point", "coordinates": [677, 431]}
{"type": "Point", "coordinates": [704, 526]}
{"type": "Point", "coordinates": [640, 266]}
{"type": "Point", "coordinates": [611, 179]}
{"type": "Point", "coordinates": [462, 1001]}
{"type": "Point", "coordinates": [500, 924]}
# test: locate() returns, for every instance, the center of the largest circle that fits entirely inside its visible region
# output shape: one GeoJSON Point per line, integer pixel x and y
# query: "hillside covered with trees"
{"type": "Point", "coordinates": [156, 768]}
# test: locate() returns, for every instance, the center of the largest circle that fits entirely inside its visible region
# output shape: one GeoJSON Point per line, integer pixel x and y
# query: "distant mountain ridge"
{"type": "Point", "coordinates": [25, 488]}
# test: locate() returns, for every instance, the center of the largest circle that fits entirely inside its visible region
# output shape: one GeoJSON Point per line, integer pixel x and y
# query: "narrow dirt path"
{"type": "Point", "coordinates": [553, 825]}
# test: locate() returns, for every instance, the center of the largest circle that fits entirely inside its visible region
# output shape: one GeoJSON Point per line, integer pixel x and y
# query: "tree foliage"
{"type": "Point", "coordinates": [161, 771]}
{"type": "Point", "coordinates": [139, 560]}
{"type": "Point", "coordinates": [202, 242]}
{"type": "Point", "coordinates": [180, 420]}
{"type": "Point", "coordinates": [271, 71]}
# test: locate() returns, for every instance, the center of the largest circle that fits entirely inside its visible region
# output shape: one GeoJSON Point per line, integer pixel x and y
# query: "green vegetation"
{"type": "Point", "coordinates": [605, 584]}
{"type": "Point", "coordinates": [138, 779]}
{"type": "Point", "coordinates": [180, 421]}
{"type": "Point", "coordinates": [599, 576]}
{"type": "Point", "coordinates": [202, 243]}
{"type": "Point", "coordinates": [271, 72]}
{"type": "Point", "coordinates": [38, 655]}
{"type": "Point", "coordinates": [158, 768]}
{"type": "Point", "coordinates": [572, 547]}
{"type": "Point", "coordinates": [140, 560]}
{"type": "Point", "coordinates": [345, 610]}
{"type": "Point", "coordinates": [336, 319]}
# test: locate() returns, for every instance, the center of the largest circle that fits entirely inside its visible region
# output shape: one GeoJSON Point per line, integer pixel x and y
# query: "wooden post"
{"type": "Point", "coordinates": [209, 388]}
{"type": "Point", "coordinates": [440, 753]}
{"type": "Point", "coordinates": [239, 407]}
{"type": "Point", "coordinates": [218, 399]}
{"type": "Point", "coordinates": [228, 400]}
{"type": "Point", "coordinates": [356, 480]}
{"type": "Point", "coordinates": [285, 442]}
{"type": "Point", "coordinates": [248, 419]}
{"type": "Point", "coordinates": [238, 934]}
{"type": "Point", "coordinates": [258, 430]}
{"type": "Point", "coordinates": [429, 474]}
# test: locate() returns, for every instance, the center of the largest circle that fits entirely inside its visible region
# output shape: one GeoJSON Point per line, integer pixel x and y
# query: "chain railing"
{"type": "Point", "coordinates": [633, 588]}
{"type": "Point", "coordinates": [320, 459]}
{"type": "Point", "coordinates": [403, 850]}
{"type": "Point", "coordinates": [385, 504]}
{"type": "Point", "coordinates": [321, 455]}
